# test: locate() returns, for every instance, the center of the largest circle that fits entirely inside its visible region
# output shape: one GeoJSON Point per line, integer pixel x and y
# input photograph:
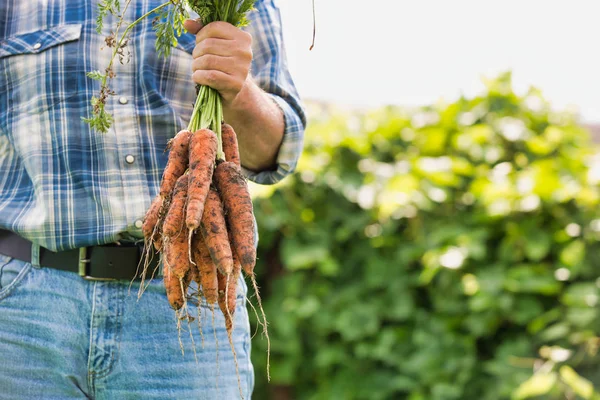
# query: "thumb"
{"type": "Point", "coordinates": [193, 26]}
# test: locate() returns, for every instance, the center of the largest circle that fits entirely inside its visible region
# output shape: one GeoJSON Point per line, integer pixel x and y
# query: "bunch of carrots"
{"type": "Point", "coordinates": [202, 220]}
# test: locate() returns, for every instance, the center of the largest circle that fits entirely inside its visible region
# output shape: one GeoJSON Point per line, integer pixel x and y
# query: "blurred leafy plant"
{"type": "Point", "coordinates": [448, 252]}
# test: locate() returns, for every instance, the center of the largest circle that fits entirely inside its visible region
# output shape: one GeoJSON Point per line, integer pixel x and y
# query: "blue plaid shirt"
{"type": "Point", "coordinates": [64, 186]}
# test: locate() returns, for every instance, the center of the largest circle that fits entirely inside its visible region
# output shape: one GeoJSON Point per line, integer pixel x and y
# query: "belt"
{"type": "Point", "coordinates": [105, 262]}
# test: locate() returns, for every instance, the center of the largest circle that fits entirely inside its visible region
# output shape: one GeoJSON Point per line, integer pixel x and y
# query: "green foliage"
{"type": "Point", "coordinates": [232, 11]}
{"type": "Point", "coordinates": [168, 26]}
{"type": "Point", "coordinates": [96, 75]}
{"type": "Point", "coordinates": [443, 253]}
{"type": "Point", "coordinates": [100, 120]}
{"type": "Point", "coordinates": [106, 7]}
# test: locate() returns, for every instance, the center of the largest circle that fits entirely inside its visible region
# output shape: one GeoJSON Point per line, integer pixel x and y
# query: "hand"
{"type": "Point", "coordinates": [222, 57]}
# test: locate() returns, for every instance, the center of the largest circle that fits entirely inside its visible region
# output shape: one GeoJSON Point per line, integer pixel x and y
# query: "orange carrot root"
{"type": "Point", "coordinates": [176, 255]}
{"type": "Point", "coordinates": [177, 162]}
{"type": "Point", "coordinates": [207, 268]}
{"type": "Point", "coordinates": [173, 287]}
{"type": "Point", "coordinates": [203, 150]}
{"type": "Point", "coordinates": [173, 223]}
{"type": "Point", "coordinates": [230, 144]}
{"type": "Point", "coordinates": [214, 231]}
{"type": "Point", "coordinates": [237, 203]}
{"type": "Point", "coordinates": [151, 218]}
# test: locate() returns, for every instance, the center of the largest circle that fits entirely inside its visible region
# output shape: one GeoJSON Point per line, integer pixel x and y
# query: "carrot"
{"type": "Point", "coordinates": [230, 144]}
{"type": "Point", "coordinates": [173, 287]}
{"type": "Point", "coordinates": [208, 270]}
{"type": "Point", "coordinates": [176, 254]}
{"type": "Point", "coordinates": [203, 150]}
{"type": "Point", "coordinates": [151, 218]}
{"type": "Point", "coordinates": [214, 230]}
{"type": "Point", "coordinates": [173, 224]}
{"type": "Point", "coordinates": [177, 162]}
{"type": "Point", "coordinates": [227, 294]}
{"type": "Point", "coordinates": [238, 209]}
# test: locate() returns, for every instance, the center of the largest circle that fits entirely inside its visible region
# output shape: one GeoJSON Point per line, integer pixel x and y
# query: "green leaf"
{"type": "Point", "coordinates": [537, 245]}
{"type": "Point", "coordinates": [96, 75]}
{"type": "Point", "coordinates": [581, 295]}
{"type": "Point", "coordinates": [573, 254]}
{"type": "Point", "coordinates": [581, 386]}
{"type": "Point", "coordinates": [538, 385]}
{"type": "Point", "coordinates": [530, 278]}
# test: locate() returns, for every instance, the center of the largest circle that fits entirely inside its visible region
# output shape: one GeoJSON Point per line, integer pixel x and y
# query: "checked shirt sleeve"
{"type": "Point", "coordinates": [270, 72]}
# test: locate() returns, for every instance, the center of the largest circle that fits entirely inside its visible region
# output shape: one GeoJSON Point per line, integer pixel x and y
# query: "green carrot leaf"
{"type": "Point", "coordinates": [96, 75]}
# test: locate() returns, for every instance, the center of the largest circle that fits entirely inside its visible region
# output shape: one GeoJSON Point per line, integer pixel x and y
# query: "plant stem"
{"type": "Point", "coordinates": [208, 114]}
{"type": "Point", "coordinates": [129, 27]}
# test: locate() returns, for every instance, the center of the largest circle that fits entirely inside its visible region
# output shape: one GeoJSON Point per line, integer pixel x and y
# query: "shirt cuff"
{"type": "Point", "coordinates": [291, 146]}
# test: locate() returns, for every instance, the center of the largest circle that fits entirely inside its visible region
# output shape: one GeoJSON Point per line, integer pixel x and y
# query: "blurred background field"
{"type": "Point", "coordinates": [445, 247]}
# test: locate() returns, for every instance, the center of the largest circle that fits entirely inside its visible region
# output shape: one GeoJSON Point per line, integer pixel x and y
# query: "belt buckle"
{"type": "Point", "coordinates": [84, 263]}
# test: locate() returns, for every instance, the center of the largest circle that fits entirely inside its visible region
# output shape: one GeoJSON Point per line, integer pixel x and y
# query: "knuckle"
{"type": "Point", "coordinates": [211, 77]}
{"type": "Point", "coordinates": [221, 24]}
{"type": "Point", "coordinates": [247, 55]}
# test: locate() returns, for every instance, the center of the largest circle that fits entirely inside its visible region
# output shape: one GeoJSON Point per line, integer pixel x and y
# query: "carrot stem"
{"type": "Point", "coordinates": [208, 114]}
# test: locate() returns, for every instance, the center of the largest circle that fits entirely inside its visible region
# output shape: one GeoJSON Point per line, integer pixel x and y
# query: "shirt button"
{"type": "Point", "coordinates": [129, 158]}
{"type": "Point", "coordinates": [37, 46]}
{"type": "Point", "coordinates": [139, 223]}
{"type": "Point", "coordinates": [123, 100]}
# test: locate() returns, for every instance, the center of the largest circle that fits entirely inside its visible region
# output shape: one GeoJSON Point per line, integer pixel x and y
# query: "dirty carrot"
{"type": "Point", "coordinates": [207, 268]}
{"type": "Point", "coordinates": [177, 162]}
{"type": "Point", "coordinates": [173, 224]}
{"type": "Point", "coordinates": [230, 144]}
{"type": "Point", "coordinates": [214, 231]}
{"type": "Point", "coordinates": [173, 286]}
{"type": "Point", "coordinates": [237, 203]}
{"type": "Point", "coordinates": [151, 218]}
{"type": "Point", "coordinates": [176, 254]}
{"type": "Point", "coordinates": [175, 235]}
{"type": "Point", "coordinates": [203, 150]}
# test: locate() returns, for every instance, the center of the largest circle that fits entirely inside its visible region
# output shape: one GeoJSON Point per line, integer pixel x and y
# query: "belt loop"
{"type": "Point", "coordinates": [35, 255]}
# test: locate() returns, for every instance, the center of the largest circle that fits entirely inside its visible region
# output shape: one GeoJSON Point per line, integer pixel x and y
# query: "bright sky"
{"type": "Point", "coordinates": [416, 52]}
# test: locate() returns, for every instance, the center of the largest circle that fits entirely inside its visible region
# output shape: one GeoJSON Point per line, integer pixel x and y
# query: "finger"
{"type": "Point", "coordinates": [223, 48]}
{"type": "Point", "coordinates": [217, 80]}
{"type": "Point", "coordinates": [218, 30]}
{"type": "Point", "coordinates": [218, 47]}
{"type": "Point", "coordinates": [192, 26]}
{"type": "Point", "coordinates": [210, 62]}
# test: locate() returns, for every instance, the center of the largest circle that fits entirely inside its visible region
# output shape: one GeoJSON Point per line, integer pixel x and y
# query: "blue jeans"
{"type": "Point", "coordinates": [62, 337]}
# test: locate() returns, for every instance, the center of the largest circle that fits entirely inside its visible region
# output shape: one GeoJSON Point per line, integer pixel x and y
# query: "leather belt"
{"type": "Point", "coordinates": [105, 262]}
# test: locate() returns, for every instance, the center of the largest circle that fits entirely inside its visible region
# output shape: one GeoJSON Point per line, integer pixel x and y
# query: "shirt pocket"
{"type": "Point", "coordinates": [40, 67]}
